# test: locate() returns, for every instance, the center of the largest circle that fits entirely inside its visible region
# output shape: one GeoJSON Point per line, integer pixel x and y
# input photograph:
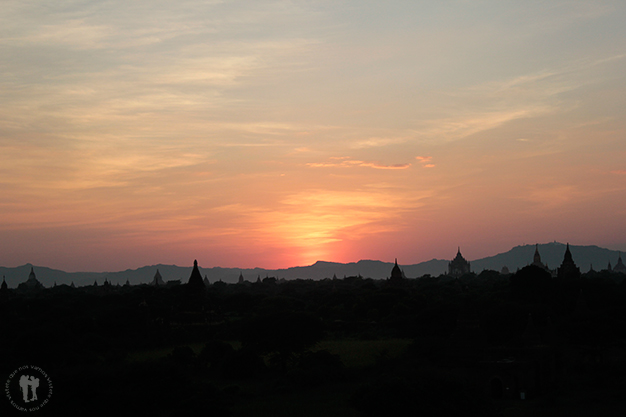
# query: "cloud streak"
{"type": "Point", "coordinates": [425, 161]}
{"type": "Point", "coordinates": [347, 162]}
{"type": "Point", "coordinates": [302, 128]}
{"type": "Point", "coordinates": [493, 104]}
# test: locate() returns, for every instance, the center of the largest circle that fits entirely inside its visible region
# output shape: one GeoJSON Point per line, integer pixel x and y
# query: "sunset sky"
{"type": "Point", "coordinates": [279, 133]}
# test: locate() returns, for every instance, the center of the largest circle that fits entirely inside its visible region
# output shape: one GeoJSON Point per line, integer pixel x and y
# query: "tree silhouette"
{"type": "Point", "coordinates": [282, 334]}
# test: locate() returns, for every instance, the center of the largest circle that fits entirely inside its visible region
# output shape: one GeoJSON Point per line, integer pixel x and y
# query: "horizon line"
{"type": "Point", "coordinates": [290, 267]}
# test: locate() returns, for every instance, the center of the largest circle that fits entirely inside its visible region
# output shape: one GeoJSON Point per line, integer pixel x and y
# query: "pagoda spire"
{"type": "Point", "coordinates": [568, 267]}
{"type": "Point", "coordinates": [568, 254]}
{"type": "Point", "coordinates": [619, 266]}
{"type": "Point", "coordinates": [195, 280]}
{"type": "Point", "coordinates": [537, 258]}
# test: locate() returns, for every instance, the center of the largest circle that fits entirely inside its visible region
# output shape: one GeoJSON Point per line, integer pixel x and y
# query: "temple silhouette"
{"type": "Point", "coordinates": [459, 266]}
{"type": "Point", "coordinates": [537, 260]}
{"type": "Point", "coordinates": [568, 268]}
{"type": "Point", "coordinates": [32, 283]}
{"type": "Point", "coordinates": [467, 339]}
{"type": "Point", "coordinates": [619, 266]}
{"type": "Point", "coordinates": [456, 268]}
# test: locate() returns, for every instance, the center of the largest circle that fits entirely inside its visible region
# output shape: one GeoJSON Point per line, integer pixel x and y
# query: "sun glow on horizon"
{"type": "Point", "coordinates": [271, 134]}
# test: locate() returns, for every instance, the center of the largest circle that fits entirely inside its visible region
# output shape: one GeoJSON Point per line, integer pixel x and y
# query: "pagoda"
{"type": "Point", "coordinates": [32, 283]}
{"type": "Point", "coordinates": [619, 266]}
{"type": "Point", "coordinates": [568, 268]}
{"type": "Point", "coordinates": [459, 266]}
{"type": "Point", "coordinates": [195, 280]}
{"type": "Point", "coordinates": [157, 281]}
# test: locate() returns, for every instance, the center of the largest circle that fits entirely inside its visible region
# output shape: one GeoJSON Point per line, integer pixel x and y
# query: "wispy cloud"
{"type": "Point", "coordinates": [495, 103]}
{"type": "Point", "coordinates": [347, 162]}
{"type": "Point", "coordinates": [377, 142]}
{"type": "Point", "coordinates": [379, 166]}
{"type": "Point", "coordinates": [425, 161]}
{"type": "Point", "coordinates": [212, 123]}
{"type": "Point", "coordinates": [156, 65]}
{"type": "Point", "coordinates": [455, 128]}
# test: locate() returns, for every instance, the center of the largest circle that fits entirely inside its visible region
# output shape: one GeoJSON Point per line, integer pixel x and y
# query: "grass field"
{"type": "Point", "coordinates": [605, 403]}
{"type": "Point", "coordinates": [277, 400]}
{"type": "Point", "coordinates": [273, 398]}
{"type": "Point", "coordinates": [160, 353]}
{"type": "Point", "coordinates": [362, 353]}
{"type": "Point", "coordinates": [353, 353]}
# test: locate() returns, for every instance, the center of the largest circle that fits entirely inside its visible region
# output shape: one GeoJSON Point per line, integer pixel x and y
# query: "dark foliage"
{"type": "Point", "coordinates": [532, 284]}
{"type": "Point", "coordinates": [85, 338]}
{"type": "Point", "coordinates": [316, 368]}
{"type": "Point", "coordinates": [414, 392]}
{"type": "Point", "coordinates": [283, 333]}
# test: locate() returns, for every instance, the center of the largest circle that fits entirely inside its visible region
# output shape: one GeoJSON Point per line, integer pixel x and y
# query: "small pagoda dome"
{"type": "Point", "coordinates": [32, 283]}
{"type": "Point", "coordinates": [619, 266]}
{"type": "Point", "coordinates": [396, 272]}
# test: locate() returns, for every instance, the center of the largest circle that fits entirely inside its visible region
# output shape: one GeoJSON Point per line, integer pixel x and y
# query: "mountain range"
{"type": "Point", "coordinates": [518, 257]}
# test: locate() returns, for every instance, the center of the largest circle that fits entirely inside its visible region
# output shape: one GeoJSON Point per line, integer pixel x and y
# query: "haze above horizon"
{"type": "Point", "coordinates": [276, 134]}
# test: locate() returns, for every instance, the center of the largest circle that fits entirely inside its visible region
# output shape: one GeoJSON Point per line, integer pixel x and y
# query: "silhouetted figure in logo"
{"type": "Point", "coordinates": [24, 383]}
{"type": "Point", "coordinates": [32, 382]}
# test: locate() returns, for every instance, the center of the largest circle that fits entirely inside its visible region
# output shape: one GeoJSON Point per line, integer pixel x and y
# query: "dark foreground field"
{"type": "Point", "coordinates": [473, 346]}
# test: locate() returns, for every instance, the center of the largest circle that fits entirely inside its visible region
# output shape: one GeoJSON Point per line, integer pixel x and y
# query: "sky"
{"type": "Point", "coordinates": [278, 133]}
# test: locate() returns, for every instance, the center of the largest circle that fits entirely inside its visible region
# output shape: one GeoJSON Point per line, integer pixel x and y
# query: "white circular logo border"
{"type": "Point", "coordinates": [23, 369]}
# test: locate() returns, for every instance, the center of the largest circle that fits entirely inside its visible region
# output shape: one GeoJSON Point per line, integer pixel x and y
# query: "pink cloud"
{"type": "Point", "coordinates": [425, 161]}
{"type": "Point", "coordinates": [321, 165]}
{"type": "Point", "coordinates": [378, 166]}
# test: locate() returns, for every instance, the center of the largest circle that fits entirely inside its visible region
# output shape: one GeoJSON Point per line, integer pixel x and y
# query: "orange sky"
{"type": "Point", "coordinates": [275, 134]}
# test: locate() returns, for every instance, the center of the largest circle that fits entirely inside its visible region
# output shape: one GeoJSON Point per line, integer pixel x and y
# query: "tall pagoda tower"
{"type": "Point", "coordinates": [568, 268]}
{"type": "Point", "coordinates": [459, 266]}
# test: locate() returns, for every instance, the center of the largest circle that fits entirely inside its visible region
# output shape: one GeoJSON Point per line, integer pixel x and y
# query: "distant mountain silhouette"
{"type": "Point", "coordinates": [551, 254]}
{"type": "Point", "coordinates": [517, 257]}
{"type": "Point", "coordinates": [48, 276]}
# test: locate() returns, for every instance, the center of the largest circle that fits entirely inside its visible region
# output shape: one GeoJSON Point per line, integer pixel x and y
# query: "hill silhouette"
{"type": "Point", "coordinates": [516, 258]}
